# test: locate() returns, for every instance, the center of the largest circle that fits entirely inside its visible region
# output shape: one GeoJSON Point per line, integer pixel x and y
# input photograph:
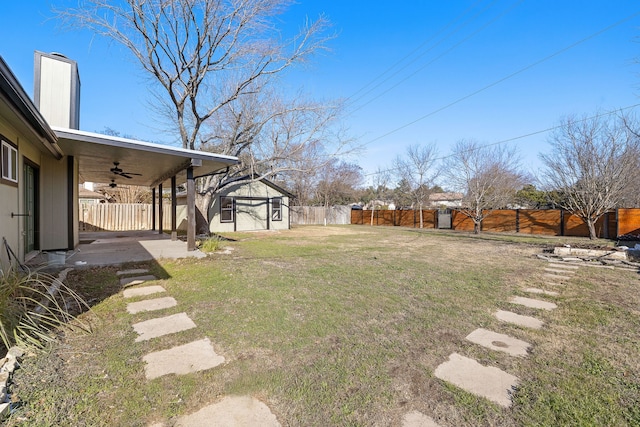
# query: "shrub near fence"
{"type": "Point", "coordinates": [554, 222]}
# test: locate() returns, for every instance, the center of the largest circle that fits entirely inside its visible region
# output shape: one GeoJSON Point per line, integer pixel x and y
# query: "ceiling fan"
{"type": "Point", "coordinates": [116, 169]}
{"type": "Point", "coordinates": [113, 184]}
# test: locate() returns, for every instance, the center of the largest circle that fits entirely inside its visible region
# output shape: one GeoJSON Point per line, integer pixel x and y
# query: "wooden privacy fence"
{"type": "Point", "coordinates": [126, 216]}
{"type": "Point", "coordinates": [553, 222]}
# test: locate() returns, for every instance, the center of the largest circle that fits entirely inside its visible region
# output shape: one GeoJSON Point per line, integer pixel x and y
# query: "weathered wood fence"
{"type": "Point", "coordinates": [124, 217]}
{"type": "Point", "coordinates": [553, 222]}
{"type": "Point", "coordinates": [310, 215]}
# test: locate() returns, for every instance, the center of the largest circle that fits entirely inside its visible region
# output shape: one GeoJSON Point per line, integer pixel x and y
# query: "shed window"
{"type": "Point", "coordinates": [9, 162]}
{"type": "Point", "coordinates": [276, 209]}
{"type": "Point", "coordinates": [226, 209]}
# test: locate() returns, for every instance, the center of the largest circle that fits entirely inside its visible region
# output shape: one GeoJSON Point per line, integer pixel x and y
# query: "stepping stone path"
{"type": "Point", "coordinates": [533, 303]}
{"type": "Point", "coordinates": [163, 326]}
{"type": "Point", "coordinates": [185, 359]}
{"type": "Point", "coordinates": [487, 381]}
{"type": "Point", "coordinates": [499, 342]}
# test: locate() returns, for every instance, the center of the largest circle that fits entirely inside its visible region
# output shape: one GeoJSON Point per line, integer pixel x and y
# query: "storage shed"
{"type": "Point", "coordinates": [247, 204]}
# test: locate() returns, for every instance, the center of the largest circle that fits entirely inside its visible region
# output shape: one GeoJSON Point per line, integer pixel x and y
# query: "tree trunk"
{"type": "Point", "coordinates": [476, 226]}
{"type": "Point", "coordinates": [203, 202]}
{"type": "Point", "coordinates": [592, 228]}
{"type": "Point", "coordinates": [373, 208]}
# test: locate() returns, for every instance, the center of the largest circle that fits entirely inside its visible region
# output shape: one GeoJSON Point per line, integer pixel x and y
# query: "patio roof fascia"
{"type": "Point", "coordinates": [191, 158]}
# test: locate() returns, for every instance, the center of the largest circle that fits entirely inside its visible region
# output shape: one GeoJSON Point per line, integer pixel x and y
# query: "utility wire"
{"type": "Point", "coordinates": [406, 57]}
{"type": "Point", "coordinates": [446, 52]}
{"type": "Point", "coordinates": [515, 138]}
{"type": "Point", "coordinates": [509, 76]}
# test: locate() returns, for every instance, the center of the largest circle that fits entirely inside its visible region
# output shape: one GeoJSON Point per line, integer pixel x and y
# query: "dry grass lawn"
{"type": "Point", "coordinates": [345, 326]}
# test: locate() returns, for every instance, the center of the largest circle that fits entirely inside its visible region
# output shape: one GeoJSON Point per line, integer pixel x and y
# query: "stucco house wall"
{"type": "Point", "coordinates": [254, 208]}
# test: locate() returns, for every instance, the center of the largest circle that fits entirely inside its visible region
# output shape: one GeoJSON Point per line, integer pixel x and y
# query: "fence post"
{"type": "Point", "coordinates": [517, 220]}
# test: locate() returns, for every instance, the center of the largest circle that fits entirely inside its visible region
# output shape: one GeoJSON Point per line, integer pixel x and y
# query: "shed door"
{"type": "Point", "coordinates": [252, 215]}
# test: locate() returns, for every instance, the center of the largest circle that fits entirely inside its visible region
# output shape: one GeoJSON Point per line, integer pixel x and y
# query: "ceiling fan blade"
{"type": "Point", "coordinates": [125, 175]}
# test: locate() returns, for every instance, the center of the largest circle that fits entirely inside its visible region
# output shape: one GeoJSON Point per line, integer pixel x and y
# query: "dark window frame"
{"type": "Point", "coordinates": [277, 210]}
{"type": "Point", "coordinates": [227, 214]}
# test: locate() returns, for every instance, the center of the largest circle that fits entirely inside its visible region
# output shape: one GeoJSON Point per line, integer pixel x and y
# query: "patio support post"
{"type": "Point", "coordinates": [160, 216]}
{"type": "Point", "coordinates": [191, 211]}
{"type": "Point", "coordinates": [174, 231]}
{"type": "Point", "coordinates": [153, 208]}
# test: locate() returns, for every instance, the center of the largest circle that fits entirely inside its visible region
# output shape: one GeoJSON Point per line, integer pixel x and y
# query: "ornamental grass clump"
{"type": "Point", "coordinates": [211, 244]}
{"type": "Point", "coordinates": [34, 306]}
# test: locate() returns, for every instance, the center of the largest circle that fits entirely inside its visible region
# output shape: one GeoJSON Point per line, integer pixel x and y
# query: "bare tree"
{"type": "Point", "coordinates": [214, 61]}
{"type": "Point", "coordinates": [488, 176]}
{"type": "Point", "coordinates": [380, 188]}
{"type": "Point", "coordinates": [338, 183]}
{"type": "Point", "coordinates": [418, 169]}
{"type": "Point", "coordinates": [592, 163]}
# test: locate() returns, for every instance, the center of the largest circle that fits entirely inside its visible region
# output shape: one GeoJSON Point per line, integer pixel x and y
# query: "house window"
{"type": "Point", "coordinates": [9, 162]}
{"type": "Point", "coordinates": [276, 209]}
{"type": "Point", "coordinates": [226, 209]}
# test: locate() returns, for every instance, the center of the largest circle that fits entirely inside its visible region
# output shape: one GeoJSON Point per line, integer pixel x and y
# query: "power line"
{"type": "Point", "coordinates": [515, 138]}
{"type": "Point", "coordinates": [417, 50]}
{"type": "Point", "coordinates": [446, 52]}
{"type": "Point", "coordinates": [509, 76]}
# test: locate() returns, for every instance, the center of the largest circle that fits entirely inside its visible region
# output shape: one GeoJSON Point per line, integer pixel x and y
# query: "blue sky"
{"type": "Point", "coordinates": [448, 51]}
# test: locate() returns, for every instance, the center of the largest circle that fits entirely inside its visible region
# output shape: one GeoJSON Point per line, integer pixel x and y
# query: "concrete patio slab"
{"type": "Point", "coordinates": [184, 359]}
{"type": "Point", "coordinates": [533, 303]}
{"type": "Point", "coordinates": [119, 247]}
{"type": "Point", "coordinates": [417, 419]}
{"type": "Point", "coordinates": [518, 319]}
{"type": "Point", "coordinates": [163, 326]}
{"type": "Point", "coordinates": [499, 342]}
{"type": "Point", "coordinates": [132, 271]}
{"type": "Point", "coordinates": [151, 305]}
{"type": "Point", "coordinates": [484, 381]}
{"type": "Point", "coordinates": [541, 291]}
{"type": "Point", "coordinates": [142, 291]}
{"type": "Point", "coordinates": [136, 280]}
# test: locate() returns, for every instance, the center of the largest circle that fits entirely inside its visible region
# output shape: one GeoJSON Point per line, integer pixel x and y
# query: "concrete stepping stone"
{"type": "Point", "coordinates": [556, 284]}
{"type": "Point", "coordinates": [558, 271]}
{"type": "Point", "coordinates": [136, 280]}
{"type": "Point", "coordinates": [563, 266]}
{"type": "Point", "coordinates": [518, 319]}
{"type": "Point", "coordinates": [184, 359]}
{"type": "Point", "coordinates": [163, 326]}
{"type": "Point", "coordinates": [151, 305]}
{"type": "Point", "coordinates": [541, 291]}
{"type": "Point", "coordinates": [499, 342]}
{"type": "Point", "coordinates": [484, 381]}
{"type": "Point", "coordinates": [533, 303]}
{"type": "Point", "coordinates": [417, 419]}
{"type": "Point", "coordinates": [558, 277]}
{"type": "Point", "coordinates": [232, 411]}
{"type": "Point", "coordinates": [143, 291]}
{"type": "Point", "coordinates": [132, 271]}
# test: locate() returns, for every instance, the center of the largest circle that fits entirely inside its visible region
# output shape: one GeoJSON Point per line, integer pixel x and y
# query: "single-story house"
{"type": "Point", "coordinates": [447, 200]}
{"type": "Point", "coordinates": [247, 204]}
{"type": "Point", "coordinates": [44, 158]}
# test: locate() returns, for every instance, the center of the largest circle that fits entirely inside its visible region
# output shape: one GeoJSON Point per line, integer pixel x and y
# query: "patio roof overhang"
{"type": "Point", "coordinates": [155, 163]}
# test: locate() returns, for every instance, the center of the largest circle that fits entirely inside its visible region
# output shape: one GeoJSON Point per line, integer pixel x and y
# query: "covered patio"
{"type": "Point", "coordinates": [118, 161]}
